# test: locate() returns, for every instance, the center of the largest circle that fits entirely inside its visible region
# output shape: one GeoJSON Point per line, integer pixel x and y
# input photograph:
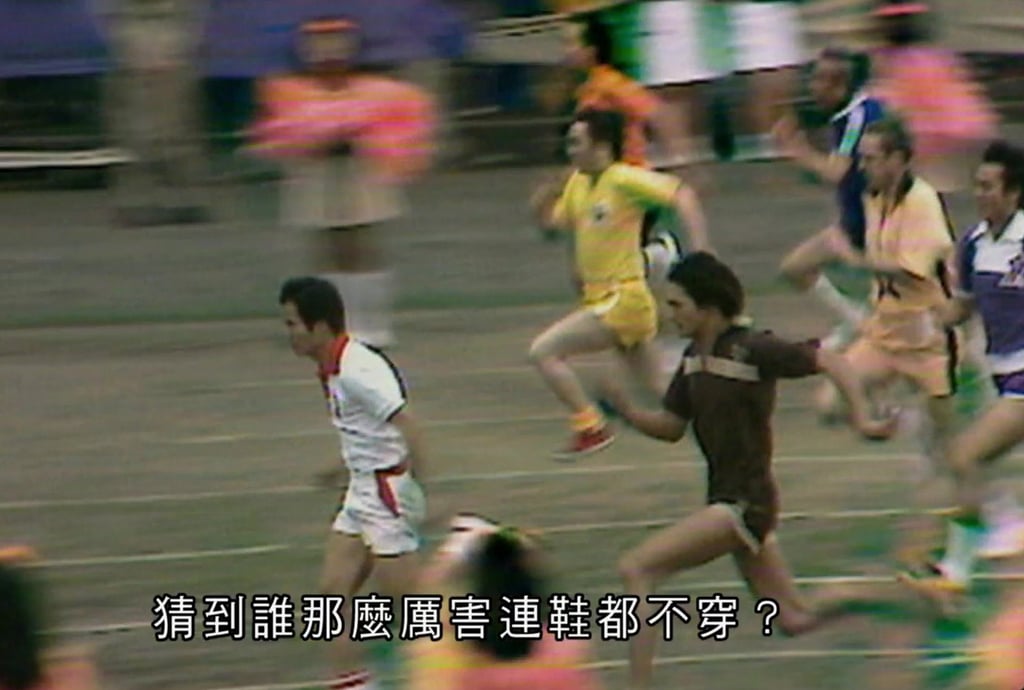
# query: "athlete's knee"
{"type": "Point", "coordinates": [962, 462]}
{"type": "Point", "coordinates": [797, 272]}
{"type": "Point", "coordinates": [633, 573]}
{"type": "Point", "coordinates": [540, 352]}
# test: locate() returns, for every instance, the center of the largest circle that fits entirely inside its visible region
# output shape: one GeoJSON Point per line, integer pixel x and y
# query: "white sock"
{"type": "Point", "coordinates": [349, 287]}
{"type": "Point", "coordinates": [659, 261]}
{"type": "Point", "coordinates": [377, 297]}
{"type": "Point", "coordinates": [962, 543]}
{"type": "Point", "coordinates": [848, 310]}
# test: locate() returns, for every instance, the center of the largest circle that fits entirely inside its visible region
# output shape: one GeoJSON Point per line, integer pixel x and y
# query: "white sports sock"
{"type": "Point", "coordinates": [375, 293]}
{"type": "Point", "coordinates": [659, 261]}
{"type": "Point", "coordinates": [962, 542]}
{"type": "Point", "coordinates": [848, 310]}
{"type": "Point", "coordinates": [349, 287]}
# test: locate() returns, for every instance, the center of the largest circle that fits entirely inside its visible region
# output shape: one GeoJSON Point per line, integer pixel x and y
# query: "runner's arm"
{"type": "Point", "coordinates": [690, 211]}
{"type": "Point", "coordinates": [661, 424]}
{"type": "Point", "coordinates": [835, 368]}
{"type": "Point", "coordinates": [792, 141]}
{"type": "Point", "coordinates": [657, 424]}
{"type": "Point", "coordinates": [549, 206]}
{"type": "Point", "coordinates": [409, 427]}
{"type": "Point", "coordinates": [955, 311]}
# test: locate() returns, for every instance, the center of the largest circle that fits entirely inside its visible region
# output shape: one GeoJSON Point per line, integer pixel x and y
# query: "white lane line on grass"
{"type": "Point", "coordinates": [570, 528]}
{"type": "Point", "coordinates": [868, 514]}
{"type": "Point", "coordinates": [722, 658]}
{"type": "Point", "coordinates": [325, 431]}
{"type": "Point", "coordinates": [162, 557]}
{"type": "Point", "coordinates": [719, 586]}
{"type": "Point", "coordinates": [686, 462]}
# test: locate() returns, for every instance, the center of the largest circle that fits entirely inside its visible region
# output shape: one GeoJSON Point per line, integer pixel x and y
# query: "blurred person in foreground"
{"type": "Point", "coordinates": [24, 662]}
{"type": "Point", "coordinates": [493, 561]}
{"type": "Point", "coordinates": [348, 141]}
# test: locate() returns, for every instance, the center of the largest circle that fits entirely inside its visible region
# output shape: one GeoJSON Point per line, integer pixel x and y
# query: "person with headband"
{"type": "Point", "coordinates": [493, 561]}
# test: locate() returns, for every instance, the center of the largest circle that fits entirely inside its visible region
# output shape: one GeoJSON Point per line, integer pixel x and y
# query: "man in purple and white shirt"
{"type": "Point", "coordinates": [991, 268]}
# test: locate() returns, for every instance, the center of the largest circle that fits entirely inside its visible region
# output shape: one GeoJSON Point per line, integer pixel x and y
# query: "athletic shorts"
{"type": "Point", "coordinates": [1010, 386]}
{"type": "Point", "coordinates": [385, 508]}
{"type": "Point", "coordinates": [335, 192]}
{"type": "Point", "coordinates": [627, 308]}
{"type": "Point", "coordinates": [932, 371]}
{"type": "Point", "coordinates": [753, 523]}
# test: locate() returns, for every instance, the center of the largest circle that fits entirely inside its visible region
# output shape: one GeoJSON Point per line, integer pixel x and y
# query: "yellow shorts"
{"type": "Point", "coordinates": [628, 309]}
{"type": "Point", "coordinates": [932, 371]}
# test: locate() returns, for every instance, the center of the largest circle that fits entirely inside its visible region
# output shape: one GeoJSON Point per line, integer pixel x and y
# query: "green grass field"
{"type": "Point", "coordinates": [160, 455]}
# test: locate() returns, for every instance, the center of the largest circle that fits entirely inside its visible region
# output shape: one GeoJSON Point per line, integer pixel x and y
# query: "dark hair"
{"type": "Point", "coordinates": [310, 26]}
{"type": "Point", "coordinates": [605, 127]}
{"type": "Point", "coordinates": [903, 23]}
{"type": "Point", "coordinates": [20, 631]}
{"type": "Point", "coordinates": [503, 569]}
{"type": "Point", "coordinates": [894, 134]}
{"type": "Point", "coordinates": [316, 300]}
{"type": "Point", "coordinates": [1011, 158]}
{"type": "Point", "coordinates": [709, 283]}
{"type": "Point", "coordinates": [598, 36]}
{"type": "Point", "coordinates": [856, 66]}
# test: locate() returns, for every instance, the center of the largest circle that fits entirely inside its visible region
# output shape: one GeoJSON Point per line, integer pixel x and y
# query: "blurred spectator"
{"type": "Point", "coordinates": [493, 562]}
{"type": "Point", "coordinates": [766, 37]}
{"type": "Point", "coordinates": [245, 41]}
{"type": "Point", "coordinates": [929, 86]}
{"type": "Point", "coordinates": [347, 139]}
{"type": "Point", "coordinates": [24, 662]}
{"type": "Point", "coordinates": [155, 115]}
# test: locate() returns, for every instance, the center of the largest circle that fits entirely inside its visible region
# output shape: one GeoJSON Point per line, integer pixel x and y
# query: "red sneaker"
{"type": "Point", "coordinates": [586, 442]}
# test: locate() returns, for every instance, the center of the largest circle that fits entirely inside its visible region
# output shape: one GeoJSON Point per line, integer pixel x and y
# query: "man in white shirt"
{"type": "Point", "coordinates": [377, 529]}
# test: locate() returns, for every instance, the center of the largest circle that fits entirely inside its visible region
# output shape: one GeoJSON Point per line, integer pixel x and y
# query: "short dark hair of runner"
{"type": "Point", "coordinates": [1011, 158]}
{"type": "Point", "coordinates": [316, 300]}
{"type": "Point", "coordinates": [903, 22]}
{"type": "Point", "coordinates": [894, 134]}
{"type": "Point", "coordinates": [710, 283]}
{"type": "Point", "coordinates": [505, 567]}
{"type": "Point", "coordinates": [598, 36]}
{"type": "Point", "coordinates": [21, 635]}
{"type": "Point", "coordinates": [604, 127]}
{"type": "Point", "coordinates": [856, 66]}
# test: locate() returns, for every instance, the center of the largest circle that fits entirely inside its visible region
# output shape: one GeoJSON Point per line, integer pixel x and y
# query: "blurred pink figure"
{"type": "Point", "coordinates": [931, 88]}
{"type": "Point", "coordinates": [388, 122]}
{"type": "Point", "coordinates": [469, 559]}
